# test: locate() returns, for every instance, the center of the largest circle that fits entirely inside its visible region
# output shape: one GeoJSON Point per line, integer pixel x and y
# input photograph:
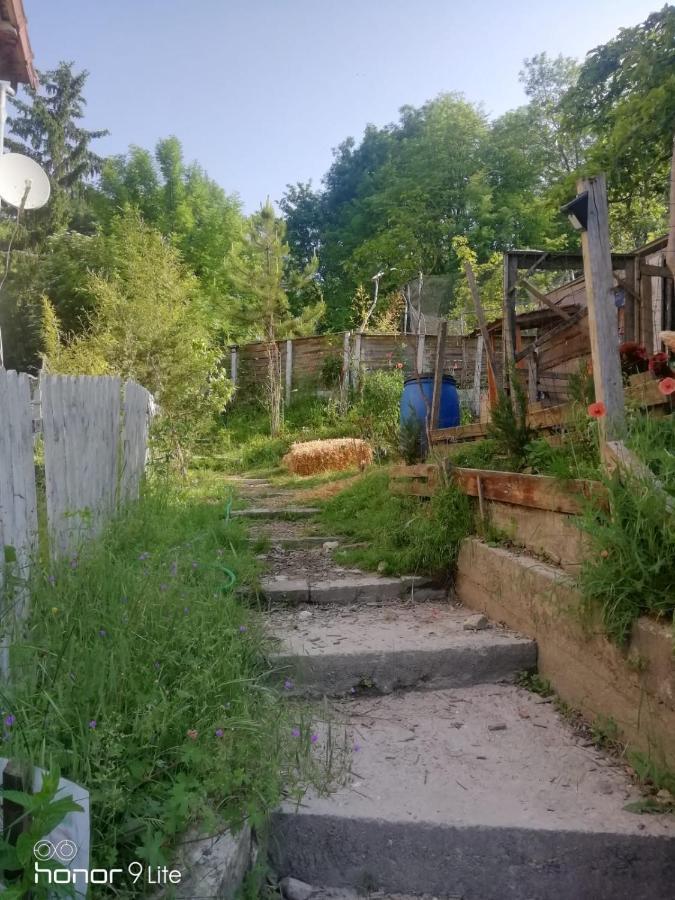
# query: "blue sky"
{"type": "Point", "coordinates": [260, 91]}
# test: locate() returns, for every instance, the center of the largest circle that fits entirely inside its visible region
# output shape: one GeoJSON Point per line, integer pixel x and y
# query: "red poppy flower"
{"type": "Point", "coordinates": [667, 386]}
{"type": "Point", "coordinates": [597, 410]}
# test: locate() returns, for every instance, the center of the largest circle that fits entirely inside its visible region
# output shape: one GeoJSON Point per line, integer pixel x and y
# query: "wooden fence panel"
{"type": "Point", "coordinates": [137, 408]}
{"type": "Point", "coordinates": [18, 498]}
{"type": "Point", "coordinates": [81, 426]}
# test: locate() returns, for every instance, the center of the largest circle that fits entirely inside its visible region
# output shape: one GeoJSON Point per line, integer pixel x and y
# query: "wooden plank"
{"type": "Point", "coordinates": [542, 298]}
{"type": "Point", "coordinates": [459, 433]}
{"type": "Point", "coordinates": [537, 491]}
{"type": "Point", "coordinates": [477, 373]}
{"type": "Point", "coordinates": [655, 271]}
{"type": "Point", "coordinates": [289, 372]}
{"type": "Point", "coordinates": [438, 373]}
{"type": "Point", "coordinates": [551, 333]}
{"type": "Point", "coordinates": [137, 409]}
{"type": "Point", "coordinates": [602, 315]}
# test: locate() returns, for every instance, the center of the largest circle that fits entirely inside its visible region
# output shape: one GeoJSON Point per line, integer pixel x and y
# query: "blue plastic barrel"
{"type": "Point", "coordinates": [416, 403]}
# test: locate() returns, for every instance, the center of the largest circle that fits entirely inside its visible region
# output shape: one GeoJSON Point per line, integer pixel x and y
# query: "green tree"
{"type": "Point", "coordinates": [145, 325]}
{"type": "Point", "coordinates": [264, 310]}
{"type": "Point", "coordinates": [46, 128]}
{"type": "Point", "coordinates": [183, 203]}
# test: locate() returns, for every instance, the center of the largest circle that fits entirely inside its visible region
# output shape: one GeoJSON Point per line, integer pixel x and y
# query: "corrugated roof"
{"type": "Point", "coordinates": [16, 54]}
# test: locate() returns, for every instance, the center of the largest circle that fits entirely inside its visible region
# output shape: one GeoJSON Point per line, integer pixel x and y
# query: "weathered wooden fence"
{"type": "Point", "coordinates": [95, 433]}
{"type": "Point", "coordinates": [305, 361]}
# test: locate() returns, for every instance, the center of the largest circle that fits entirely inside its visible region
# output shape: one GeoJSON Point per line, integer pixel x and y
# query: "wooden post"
{"type": "Point", "coordinates": [356, 361]}
{"type": "Point", "coordinates": [419, 361]}
{"type": "Point", "coordinates": [480, 315]}
{"type": "Point", "coordinates": [542, 298]}
{"type": "Point", "coordinates": [646, 312]}
{"type": "Point", "coordinates": [532, 378]}
{"type": "Point", "coordinates": [289, 371]}
{"type": "Point", "coordinates": [477, 373]}
{"type": "Point", "coordinates": [670, 247]}
{"type": "Point", "coordinates": [509, 319]}
{"type": "Point", "coordinates": [629, 308]}
{"type": "Point", "coordinates": [602, 317]}
{"type": "Point", "coordinates": [441, 339]}
{"type": "Point", "coordinates": [233, 365]}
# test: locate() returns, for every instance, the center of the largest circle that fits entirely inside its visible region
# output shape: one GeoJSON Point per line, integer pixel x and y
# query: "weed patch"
{"type": "Point", "coordinates": [404, 534]}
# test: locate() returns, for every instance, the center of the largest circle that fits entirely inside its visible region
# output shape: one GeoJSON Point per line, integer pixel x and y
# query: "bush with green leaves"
{"type": "Point", "coordinates": [375, 412]}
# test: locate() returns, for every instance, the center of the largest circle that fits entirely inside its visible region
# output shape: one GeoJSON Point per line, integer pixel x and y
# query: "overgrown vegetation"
{"type": "Point", "coordinates": [630, 570]}
{"type": "Point", "coordinates": [403, 535]}
{"type": "Point", "coordinates": [143, 677]}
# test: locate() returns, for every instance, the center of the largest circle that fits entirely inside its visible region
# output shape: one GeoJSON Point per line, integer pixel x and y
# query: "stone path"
{"type": "Point", "coordinates": [463, 785]}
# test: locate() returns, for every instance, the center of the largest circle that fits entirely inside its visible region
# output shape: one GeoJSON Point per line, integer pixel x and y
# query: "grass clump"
{"type": "Point", "coordinates": [142, 677]}
{"type": "Point", "coordinates": [630, 570]}
{"type": "Point", "coordinates": [403, 534]}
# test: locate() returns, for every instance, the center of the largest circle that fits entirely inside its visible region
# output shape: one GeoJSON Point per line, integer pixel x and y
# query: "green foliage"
{"type": "Point", "coordinates": [146, 326]}
{"type": "Point", "coordinates": [404, 533]}
{"type": "Point", "coordinates": [629, 571]}
{"type": "Point", "coordinates": [192, 211]}
{"type": "Point", "coordinates": [508, 426]}
{"type": "Point", "coordinates": [625, 98]}
{"type": "Point", "coordinates": [143, 677]}
{"type": "Point", "coordinates": [45, 812]}
{"type": "Point", "coordinates": [375, 412]}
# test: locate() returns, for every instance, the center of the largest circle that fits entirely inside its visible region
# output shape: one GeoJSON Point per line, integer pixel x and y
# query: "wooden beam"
{"type": "Point", "coordinates": [542, 298]}
{"type": "Point", "coordinates": [552, 332]}
{"type": "Point", "coordinates": [441, 338]}
{"type": "Point", "coordinates": [509, 319]}
{"type": "Point", "coordinates": [602, 315]}
{"type": "Point", "coordinates": [655, 271]}
{"type": "Point", "coordinates": [534, 491]}
{"type": "Point", "coordinates": [670, 246]}
{"type": "Point", "coordinates": [480, 315]}
{"type": "Point", "coordinates": [477, 372]}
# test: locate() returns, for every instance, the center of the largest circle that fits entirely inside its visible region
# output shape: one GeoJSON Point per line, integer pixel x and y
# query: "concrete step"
{"type": "Point", "coordinates": [347, 589]}
{"type": "Point", "coordinates": [480, 792]}
{"type": "Point", "coordinates": [304, 542]}
{"type": "Point", "coordinates": [377, 649]}
{"type": "Point", "coordinates": [282, 512]}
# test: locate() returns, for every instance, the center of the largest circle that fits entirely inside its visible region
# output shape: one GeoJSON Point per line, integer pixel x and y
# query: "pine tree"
{"type": "Point", "coordinates": [46, 128]}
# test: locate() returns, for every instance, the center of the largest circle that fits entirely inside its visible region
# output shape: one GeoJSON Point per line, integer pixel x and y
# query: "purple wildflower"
{"type": "Point", "coordinates": [295, 732]}
{"type": "Point", "coordinates": [195, 565]}
{"type": "Point", "coordinates": [243, 628]}
{"type": "Point", "coordinates": [314, 738]}
{"type": "Point", "coordinates": [186, 610]}
{"type": "Point", "coordinates": [219, 732]}
{"type": "Point", "coordinates": [73, 562]}
{"type": "Point", "coordinates": [158, 664]}
{"type": "Point", "coordinates": [10, 720]}
{"type": "Point", "coordinates": [356, 748]}
{"type": "Point", "coordinates": [288, 685]}
{"type": "Point", "coordinates": [173, 569]}
{"type": "Point", "coordinates": [164, 587]}
{"type": "Point", "coordinates": [52, 580]}
{"type": "Point", "coordinates": [92, 724]}
{"type": "Point", "coordinates": [102, 632]}
{"type": "Point", "coordinates": [144, 555]}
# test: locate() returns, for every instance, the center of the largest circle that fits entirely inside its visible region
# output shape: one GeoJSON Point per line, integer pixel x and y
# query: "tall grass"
{"type": "Point", "coordinates": [144, 678]}
{"type": "Point", "coordinates": [403, 534]}
{"type": "Point", "coordinates": [630, 570]}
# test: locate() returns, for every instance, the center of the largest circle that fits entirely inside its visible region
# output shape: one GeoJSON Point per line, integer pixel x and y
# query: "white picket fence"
{"type": "Point", "coordinates": [95, 438]}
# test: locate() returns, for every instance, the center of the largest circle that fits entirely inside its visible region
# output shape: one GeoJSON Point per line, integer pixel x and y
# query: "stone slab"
{"type": "Point", "coordinates": [347, 589]}
{"type": "Point", "coordinates": [401, 645]}
{"type": "Point", "coordinates": [440, 802]}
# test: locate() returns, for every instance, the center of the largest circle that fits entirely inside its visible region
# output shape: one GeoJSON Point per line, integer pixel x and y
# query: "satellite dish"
{"type": "Point", "coordinates": [21, 177]}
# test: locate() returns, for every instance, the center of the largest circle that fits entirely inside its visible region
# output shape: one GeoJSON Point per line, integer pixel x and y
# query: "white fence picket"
{"type": "Point", "coordinates": [81, 424]}
{"type": "Point", "coordinates": [18, 498]}
{"type": "Point", "coordinates": [137, 407]}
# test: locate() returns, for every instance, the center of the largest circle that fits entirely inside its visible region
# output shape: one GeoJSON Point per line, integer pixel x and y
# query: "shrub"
{"type": "Point", "coordinates": [376, 411]}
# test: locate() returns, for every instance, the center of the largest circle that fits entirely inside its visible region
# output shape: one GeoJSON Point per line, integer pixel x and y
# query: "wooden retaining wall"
{"type": "Point", "coordinates": [635, 686]}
